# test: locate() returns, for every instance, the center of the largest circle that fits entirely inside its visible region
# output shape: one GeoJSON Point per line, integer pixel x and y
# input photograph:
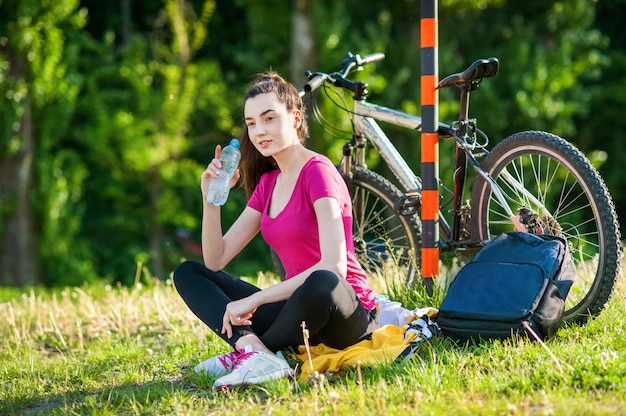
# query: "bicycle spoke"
{"type": "Point", "coordinates": [382, 238]}
{"type": "Point", "coordinates": [561, 194]}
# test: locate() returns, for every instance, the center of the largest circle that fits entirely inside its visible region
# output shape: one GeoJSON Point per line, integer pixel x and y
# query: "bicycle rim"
{"type": "Point", "coordinates": [387, 244]}
{"type": "Point", "coordinates": [577, 205]}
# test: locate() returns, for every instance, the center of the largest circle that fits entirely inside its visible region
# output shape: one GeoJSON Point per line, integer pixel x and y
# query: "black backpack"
{"type": "Point", "coordinates": [515, 278]}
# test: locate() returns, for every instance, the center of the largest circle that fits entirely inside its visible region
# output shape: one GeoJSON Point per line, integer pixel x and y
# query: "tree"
{"type": "Point", "coordinates": [600, 130]}
{"type": "Point", "coordinates": [302, 40]}
{"type": "Point", "coordinates": [40, 181]}
{"type": "Point", "coordinates": [110, 110]}
{"type": "Point", "coordinates": [145, 112]}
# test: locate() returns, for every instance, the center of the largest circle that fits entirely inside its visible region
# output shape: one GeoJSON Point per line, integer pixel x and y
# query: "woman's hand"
{"type": "Point", "coordinates": [212, 170]}
{"type": "Point", "coordinates": [238, 313]}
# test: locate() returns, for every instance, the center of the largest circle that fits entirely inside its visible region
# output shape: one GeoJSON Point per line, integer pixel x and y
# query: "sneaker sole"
{"type": "Point", "coordinates": [204, 372]}
{"type": "Point", "coordinates": [247, 381]}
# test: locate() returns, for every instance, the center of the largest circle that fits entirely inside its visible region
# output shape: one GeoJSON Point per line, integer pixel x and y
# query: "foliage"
{"type": "Point", "coordinates": [48, 86]}
{"type": "Point", "coordinates": [141, 126]}
{"type": "Point", "coordinates": [113, 350]}
{"type": "Point", "coordinates": [132, 97]}
{"type": "Point", "coordinates": [602, 126]}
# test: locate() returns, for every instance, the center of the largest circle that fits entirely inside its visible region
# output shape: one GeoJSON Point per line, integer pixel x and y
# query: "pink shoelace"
{"type": "Point", "coordinates": [229, 360]}
{"type": "Point", "coordinates": [234, 358]}
{"type": "Point", "coordinates": [243, 356]}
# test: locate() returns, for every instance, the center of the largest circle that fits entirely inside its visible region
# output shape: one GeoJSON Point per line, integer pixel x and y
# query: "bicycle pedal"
{"type": "Point", "coordinates": [408, 204]}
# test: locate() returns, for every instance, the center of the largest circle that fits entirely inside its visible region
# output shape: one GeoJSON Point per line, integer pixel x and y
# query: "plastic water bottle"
{"type": "Point", "coordinates": [220, 187]}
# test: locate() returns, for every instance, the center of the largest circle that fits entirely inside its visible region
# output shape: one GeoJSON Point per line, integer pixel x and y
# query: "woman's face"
{"type": "Point", "coordinates": [271, 127]}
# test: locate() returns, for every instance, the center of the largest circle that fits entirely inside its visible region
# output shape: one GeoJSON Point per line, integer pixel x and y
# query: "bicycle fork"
{"type": "Point", "coordinates": [355, 148]}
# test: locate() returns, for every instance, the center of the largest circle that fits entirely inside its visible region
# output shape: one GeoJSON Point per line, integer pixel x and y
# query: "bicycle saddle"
{"type": "Point", "coordinates": [482, 68]}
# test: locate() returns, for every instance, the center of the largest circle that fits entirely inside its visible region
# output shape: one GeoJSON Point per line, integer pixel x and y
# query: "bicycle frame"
{"type": "Point", "coordinates": [365, 126]}
{"type": "Point", "coordinates": [581, 198]}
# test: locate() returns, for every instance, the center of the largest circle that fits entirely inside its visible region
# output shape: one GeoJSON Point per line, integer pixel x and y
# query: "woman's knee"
{"type": "Point", "coordinates": [186, 271]}
{"type": "Point", "coordinates": [320, 283]}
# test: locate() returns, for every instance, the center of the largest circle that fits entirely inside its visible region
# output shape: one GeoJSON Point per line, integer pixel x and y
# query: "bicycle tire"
{"type": "Point", "coordinates": [380, 234]}
{"type": "Point", "coordinates": [580, 206]}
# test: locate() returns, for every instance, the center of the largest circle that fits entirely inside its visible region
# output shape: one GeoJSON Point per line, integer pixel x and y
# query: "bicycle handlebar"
{"type": "Point", "coordinates": [374, 57]}
{"type": "Point", "coordinates": [349, 64]}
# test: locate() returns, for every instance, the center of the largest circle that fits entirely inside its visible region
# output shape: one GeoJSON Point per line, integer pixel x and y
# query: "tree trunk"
{"type": "Point", "coordinates": [19, 264]}
{"type": "Point", "coordinates": [127, 21]}
{"type": "Point", "coordinates": [156, 231]}
{"type": "Point", "coordinates": [302, 41]}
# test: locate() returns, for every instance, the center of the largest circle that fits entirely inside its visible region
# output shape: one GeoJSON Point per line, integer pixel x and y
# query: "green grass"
{"type": "Point", "coordinates": [128, 351]}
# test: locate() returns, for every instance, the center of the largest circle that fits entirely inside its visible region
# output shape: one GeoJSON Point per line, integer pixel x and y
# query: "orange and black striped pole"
{"type": "Point", "coordinates": [430, 141]}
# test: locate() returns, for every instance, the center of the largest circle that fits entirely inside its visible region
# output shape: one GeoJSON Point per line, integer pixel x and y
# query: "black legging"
{"type": "Point", "coordinates": [325, 302]}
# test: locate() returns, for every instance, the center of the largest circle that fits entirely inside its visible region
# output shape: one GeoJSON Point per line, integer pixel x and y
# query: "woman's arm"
{"type": "Point", "coordinates": [332, 247]}
{"type": "Point", "coordinates": [333, 257]}
{"type": "Point", "coordinates": [219, 249]}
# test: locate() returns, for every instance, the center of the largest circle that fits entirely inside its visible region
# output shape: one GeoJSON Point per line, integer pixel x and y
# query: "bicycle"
{"type": "Point", "coordinates": [532, 181]}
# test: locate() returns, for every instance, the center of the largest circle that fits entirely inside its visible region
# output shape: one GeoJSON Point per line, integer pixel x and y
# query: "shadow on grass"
{"type": "Point", "coordinates": [152, 397]}
{"type": "Point", "coordinates": [125, 396]}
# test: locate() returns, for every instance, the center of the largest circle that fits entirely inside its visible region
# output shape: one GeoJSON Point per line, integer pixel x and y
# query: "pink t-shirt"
{"type": "Point", "coordinates": [293, 233]}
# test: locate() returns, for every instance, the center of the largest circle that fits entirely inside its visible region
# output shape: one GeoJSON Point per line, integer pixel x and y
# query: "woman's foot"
{"type": "Point", "coordinates": [219, 365]}
{"type": "Point", "coordinates": [255, 367]}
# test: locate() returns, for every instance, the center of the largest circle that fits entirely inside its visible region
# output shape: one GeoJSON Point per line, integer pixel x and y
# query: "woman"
{"type": "Point", "coordinates": [299, 202]}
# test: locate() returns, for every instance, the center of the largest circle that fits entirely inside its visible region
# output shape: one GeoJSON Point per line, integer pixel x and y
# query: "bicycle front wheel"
{"type": "Point", "coordinates": [569, 199]}
{"type": "Point", "coordinates": [386, 243]}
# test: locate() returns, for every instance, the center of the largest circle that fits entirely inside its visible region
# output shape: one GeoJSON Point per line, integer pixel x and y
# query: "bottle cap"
{"type": "Point", "coordinates": [234, 143]}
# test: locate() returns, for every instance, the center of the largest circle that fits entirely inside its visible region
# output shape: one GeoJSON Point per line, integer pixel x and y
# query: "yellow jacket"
{"type": "Point", "coordinates": [385, 345]}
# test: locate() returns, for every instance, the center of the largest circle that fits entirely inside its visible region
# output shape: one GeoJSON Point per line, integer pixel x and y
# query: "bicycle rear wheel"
{"type": "Point", "coordinates": [578, 207]}
{"type": "Point", "coordinates": [386, 243]}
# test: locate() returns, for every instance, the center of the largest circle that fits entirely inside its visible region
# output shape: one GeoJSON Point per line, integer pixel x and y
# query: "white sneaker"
{"type": "Point", "coordinates": [219, 365]}
{"type": "Point", "coordinates": [255, 367]}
